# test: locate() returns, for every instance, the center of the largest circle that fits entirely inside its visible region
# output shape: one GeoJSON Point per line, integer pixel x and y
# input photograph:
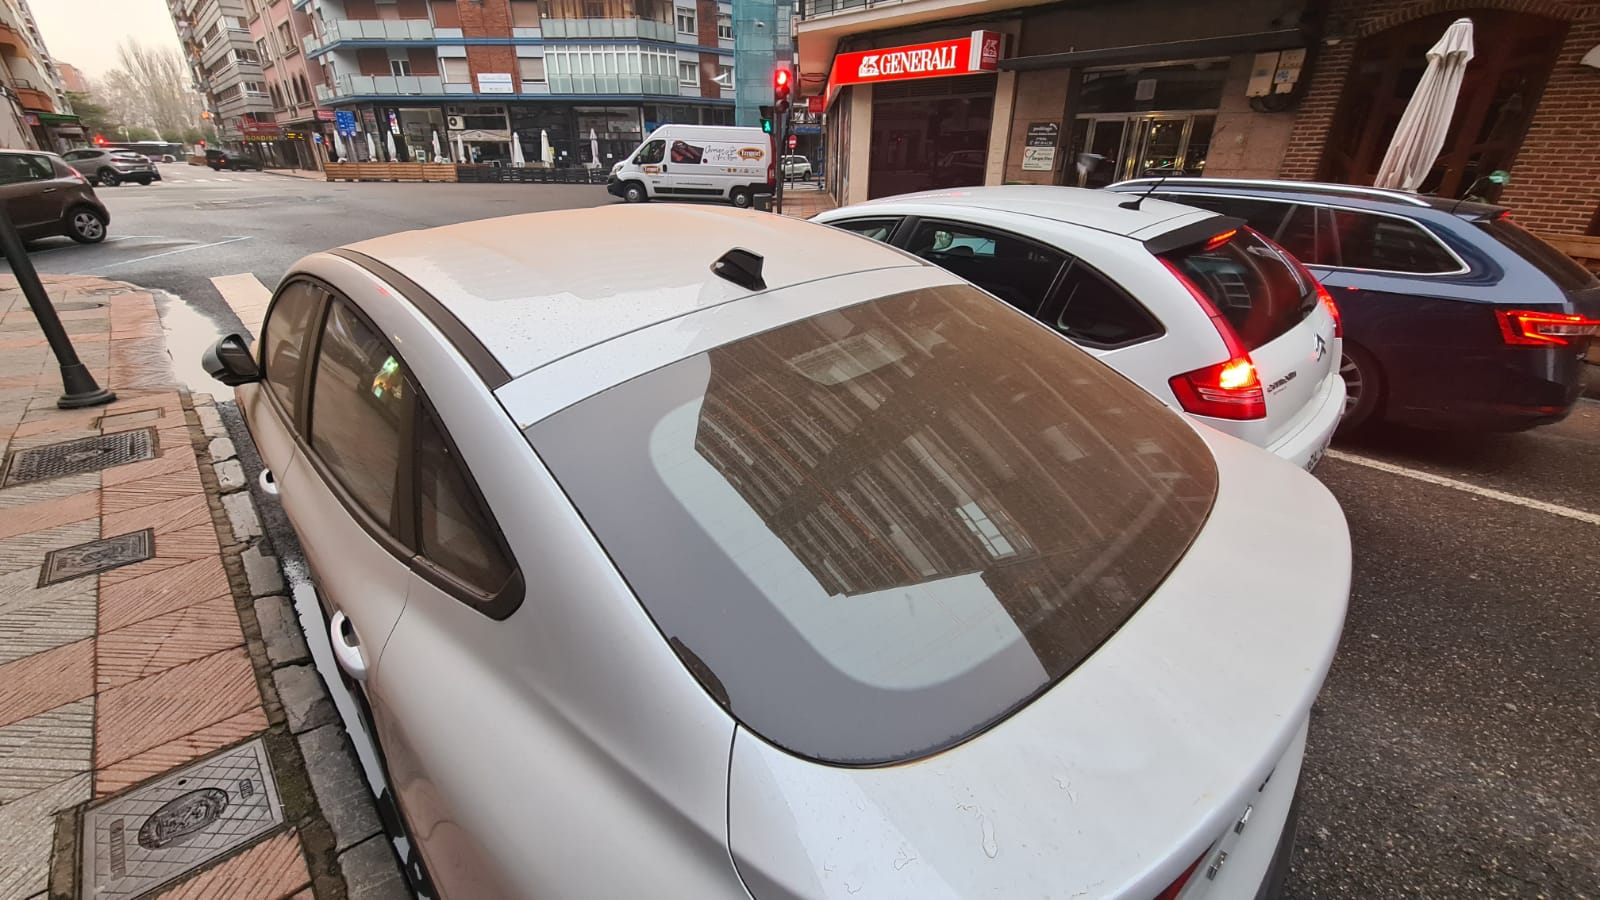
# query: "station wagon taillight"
{"type": "Point", "coordinates": [1226, 390]}
{"type": "Point", "coordinates": [1530, 328]}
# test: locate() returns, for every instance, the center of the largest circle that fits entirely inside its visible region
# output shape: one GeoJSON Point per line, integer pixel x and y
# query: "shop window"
{"type": "Point", "coordinates": [455, 71]}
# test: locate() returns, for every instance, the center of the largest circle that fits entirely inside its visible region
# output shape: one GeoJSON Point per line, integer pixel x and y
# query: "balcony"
{"type": "Point", "coordinates": [377, 31]}
{"type": "Point", "coordinates": [609, 28]}
{"type": "Point", "coordinates": [380, 85]}
{"type": "Point", "coordinates": [664, 85]}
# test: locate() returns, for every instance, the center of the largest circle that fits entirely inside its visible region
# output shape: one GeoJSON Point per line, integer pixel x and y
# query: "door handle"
{"type": "Point", "coordinates": [663, 168]}
{"type": "Point", "coordinates": [48, 191]}
{"type": "Point", "coordinates": [347, 646]}
{"type": "Point", "coordinates": [269, 484]}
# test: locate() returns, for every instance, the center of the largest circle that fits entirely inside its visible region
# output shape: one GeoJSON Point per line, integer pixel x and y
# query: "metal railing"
{"type": "Point", "coordinates": [336, 30]}
{"type": "Point", "coordinates": [811, 9]}
{"type": "Point", "coordinates": [648, 29]}
{"type": "Point", "coordinates": [383, 85]}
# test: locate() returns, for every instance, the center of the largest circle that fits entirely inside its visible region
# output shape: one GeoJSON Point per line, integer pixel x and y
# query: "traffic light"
{"type": "Point", "coordinates": [782, 80]}
{"type": "Point", "coordinates": [766, 119]}
{"type": "Point", "coordinates": [100, 140]}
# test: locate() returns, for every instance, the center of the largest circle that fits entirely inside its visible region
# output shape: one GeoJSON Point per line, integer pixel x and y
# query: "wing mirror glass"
{"type": "Point", "coordinates": [229, 361]}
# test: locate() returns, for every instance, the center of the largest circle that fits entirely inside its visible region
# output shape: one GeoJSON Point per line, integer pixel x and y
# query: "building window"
{"type": "Point", "coordinates": [724, 26]}
{"type": "Point", "coordinates": [688, 73]}
{"type": "Point", "coordinates": [455, 71]}
{"type": "Point", "coordinates": [725, 76]}
{"type": "Point", "coordinates": [686, 22]}
{"type": "Point", "coordinates": [524, 14]}
{"type": "Point", "coordinates": [286, 39]}
{"type": "Point", "coordinates": [261, 49]}
{"type": "Point", "coordinates": [400, 67]}
{"type": "Point", "coordinates": [247, 56]}
{"type": "Point", "coordinates": [531, 70]}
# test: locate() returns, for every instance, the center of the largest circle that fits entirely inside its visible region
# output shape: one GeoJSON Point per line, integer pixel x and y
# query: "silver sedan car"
{"type": "Point", "coordinates": [690, 552]}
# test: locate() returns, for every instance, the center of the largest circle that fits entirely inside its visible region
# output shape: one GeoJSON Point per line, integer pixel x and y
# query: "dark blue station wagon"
{"type": "Point", "coordinates": [1455, 317]}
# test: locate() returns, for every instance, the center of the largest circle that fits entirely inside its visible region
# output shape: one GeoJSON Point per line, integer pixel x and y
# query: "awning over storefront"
{"type": "Point", "coordinates": [1226, 45]}
{"type": "Point", "coordinates": [49, 118]}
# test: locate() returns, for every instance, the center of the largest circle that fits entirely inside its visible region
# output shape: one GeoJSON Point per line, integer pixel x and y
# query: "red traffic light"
{"type": "Point", "coordinates": [100, 140]}
{"type": "Point", "coordinates": [781, 80]}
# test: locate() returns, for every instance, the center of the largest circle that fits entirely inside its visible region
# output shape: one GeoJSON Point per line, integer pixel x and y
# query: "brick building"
{"type": "Point", "coordinates": [278, 29]}
{"type": "Point", "coordinates": [1094, 91]}
{"type": "Point", "coordinates": [477, 72]}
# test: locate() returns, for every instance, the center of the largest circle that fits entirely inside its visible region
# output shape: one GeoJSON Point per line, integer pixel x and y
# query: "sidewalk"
{"type": "Point", "coordinates": [806, 200]}
{"type": "Point", "coordinates": [146, 741]}
{"type": "Point", "coordinates": [309, 174]}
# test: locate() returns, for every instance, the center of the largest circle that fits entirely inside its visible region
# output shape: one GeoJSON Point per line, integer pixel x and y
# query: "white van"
{"type": "Point", "coordinates": [708, 162]}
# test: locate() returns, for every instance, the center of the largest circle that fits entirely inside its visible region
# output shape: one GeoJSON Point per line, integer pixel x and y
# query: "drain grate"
{"type": "Point", "coordinates": [90, 454]}
{"type": "Point", "coordinates": [169, 828]}
{"type": "Point", "coordinates": [97, 556]}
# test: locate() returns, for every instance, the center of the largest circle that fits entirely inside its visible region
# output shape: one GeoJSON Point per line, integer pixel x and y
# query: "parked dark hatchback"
{"type": "Point", "coordinates": [1454, 316]}
{"type": "Point", "coordinates": [228, 159]}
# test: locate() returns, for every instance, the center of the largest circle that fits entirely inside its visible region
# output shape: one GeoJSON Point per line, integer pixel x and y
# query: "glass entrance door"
{"type": "Point", "coordinates": [1115, 148]}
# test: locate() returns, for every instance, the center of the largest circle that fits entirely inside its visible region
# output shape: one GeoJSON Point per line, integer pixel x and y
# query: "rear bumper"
{"type": "Point", "coordinates": [1506, 389]}
{"type": "Point", "coordinates": [1305, 446]}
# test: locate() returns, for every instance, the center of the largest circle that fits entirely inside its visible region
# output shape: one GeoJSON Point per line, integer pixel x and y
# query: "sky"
{"type": "Point", "coordinates": [85, 33]}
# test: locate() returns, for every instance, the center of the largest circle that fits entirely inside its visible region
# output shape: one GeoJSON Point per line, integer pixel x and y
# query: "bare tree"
{"type": "Point", "coordinates": [150, 87]}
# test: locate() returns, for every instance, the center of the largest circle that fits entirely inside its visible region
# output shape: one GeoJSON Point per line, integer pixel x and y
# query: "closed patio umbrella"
{"type": "Point", "coordinates": [1426, 122]}
{"type": "Point", "coordinates": [437, 150]}
{"type": "Point", "coordinates": [461, 149]}
{"type": "Point", "coordinates": [372, 148]}
{"type": "Point", "coordinates": [338, 148]}
{"type": "Point", "coordinates": [594, 148]}
{"type": "Point", "coordinates": [516, 151]}
{"type": "Point", "coordinates": [388, 142]}
{"type": "Point", "coordinates": [546, 155]}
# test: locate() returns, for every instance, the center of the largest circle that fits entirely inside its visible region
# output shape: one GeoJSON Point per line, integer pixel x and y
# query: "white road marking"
{"type": "Point", "coordinates": [246, 296]}
{"type": "Point", "coordinates": [126, 262]}
{"type": "Point", "coordinates": [1565, 512]}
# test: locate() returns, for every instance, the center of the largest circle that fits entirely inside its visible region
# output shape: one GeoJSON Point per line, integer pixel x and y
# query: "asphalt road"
{"type": "Point", "coordinates": [1454, 750]}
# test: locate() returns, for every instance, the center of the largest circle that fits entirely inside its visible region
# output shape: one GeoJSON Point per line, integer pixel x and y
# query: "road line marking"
{"type": "Point", "coordinates": [127, 262]}
{"type": "Point", "coordinates": [246, 296]}
{"type": "Point", "coordinates": [1565, 512]}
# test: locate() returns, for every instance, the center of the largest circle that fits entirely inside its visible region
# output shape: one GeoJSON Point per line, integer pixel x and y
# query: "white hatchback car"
{"type": "Point", "coordinates": [1198, 309]}
{"type": "Point", "coordinates": [782, 564]}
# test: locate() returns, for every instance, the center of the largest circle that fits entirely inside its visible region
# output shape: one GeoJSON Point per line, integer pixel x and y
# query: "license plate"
{"type": "Point", "coordinates": [1316, 457]}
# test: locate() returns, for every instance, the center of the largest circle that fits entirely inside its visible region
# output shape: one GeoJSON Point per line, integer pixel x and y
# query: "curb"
{"type": "Point", "coordinates": [330, 805]}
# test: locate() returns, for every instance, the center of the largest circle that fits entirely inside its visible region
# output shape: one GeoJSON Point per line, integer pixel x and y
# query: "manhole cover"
{"type": "Point", "coordinates": [169, 828]}
{"type": "Point", "coordinates": [90, 454]}
{"type": "Point", "coordinates": [97, 556]}
{"type": "Point", "coordinates": [78, 305]}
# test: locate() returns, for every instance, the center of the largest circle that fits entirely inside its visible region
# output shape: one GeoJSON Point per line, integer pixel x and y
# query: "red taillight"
{"type": "Point", "coordinates": [1219, 240]}
{"type": "Point", "coordinates": [1229, 389]}
{"type": "Point", "coordinates": [1527, 328]}
{"type": "Point", "coordinates": [1175, 888]}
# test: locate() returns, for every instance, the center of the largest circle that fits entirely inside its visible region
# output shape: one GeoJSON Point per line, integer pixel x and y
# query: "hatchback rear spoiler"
{"type": "Point", "coordinates": [1191, 234]}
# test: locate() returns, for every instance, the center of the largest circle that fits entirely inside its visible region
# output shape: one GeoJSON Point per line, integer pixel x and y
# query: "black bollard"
{"type": "Point", "coordinates": [79, 387]}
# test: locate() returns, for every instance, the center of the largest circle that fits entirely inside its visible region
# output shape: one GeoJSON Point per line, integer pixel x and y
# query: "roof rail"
{"type": "Point", "coordinates": [1312, 186]}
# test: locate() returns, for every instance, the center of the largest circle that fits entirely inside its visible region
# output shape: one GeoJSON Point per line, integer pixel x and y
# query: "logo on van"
{"type": "Point", "coordinates": [749, 152]}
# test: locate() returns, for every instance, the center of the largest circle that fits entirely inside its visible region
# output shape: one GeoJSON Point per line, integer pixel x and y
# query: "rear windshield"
{"type": "Point", "coordinates": [1260, 294]}
{"type": "Point", "coordinates": [1561, 268]}
{"type": "Point", "coordinates": [874, 532]}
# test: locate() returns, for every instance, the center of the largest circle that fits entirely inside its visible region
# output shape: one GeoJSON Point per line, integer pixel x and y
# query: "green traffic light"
{"type": "Point", "coordinates": [766, 125]}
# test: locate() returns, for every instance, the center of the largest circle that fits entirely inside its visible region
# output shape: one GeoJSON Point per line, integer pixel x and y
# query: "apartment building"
{"type": "Point", "coordinates": [226, 66]}
{"type": "Point", "coordinates": [943, 93]}
{"type": "Point", "coordinates": [37, 114]}
{"type": "Point", "coordinates": [289, 77]}
{"type": "Point", "coordinates": [590, 77]}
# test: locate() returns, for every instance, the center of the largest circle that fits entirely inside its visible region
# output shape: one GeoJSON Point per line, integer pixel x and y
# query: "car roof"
{"type": "Point", "coordinates": [534, 288]}
{"type": "Point", "coordinates": [1353, 194]}
{"type": "Point", "coordinates": [1100, 210]}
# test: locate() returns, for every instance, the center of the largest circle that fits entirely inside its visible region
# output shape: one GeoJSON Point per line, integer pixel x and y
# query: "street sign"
{"type": "Point", "coordinates": [816, 103]}
{"type": "Point", "coordinates": [345, 122]}
{"type": "Point", "coordinates": [793, 142]}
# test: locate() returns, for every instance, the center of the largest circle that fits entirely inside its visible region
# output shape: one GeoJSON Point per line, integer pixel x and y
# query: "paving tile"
{"type": "Point", "coordinates": [20, 343]}
{"type": "Point", "coordinates": [33, 684]}
{"type": "Point", "coordinates": [126, 602]}
{"type": "Point", "coordinates": [34, 619]}
{"type": "Point", "coordinates": [178, 751]}
{"type": "Point", "coordinates": [162, 642]}
{"type": "Point", "coordinates": [40, 515]}
{"type": "Point", "coordinates": [156, 489]}
{"type": "Point", "coordinates": [40, 420]}
{"type": "Point", "coordinates": [172, 549]}
{"type": "Point", "coordinates": [26, 551]}
{"type": "Point", "coordinates": [173, 458]}
{"type": "Point", "coordinates": [27, 833]}
{"type": "Point", "coordinates": [151, 711]}
{"type": "Point", "coordinates": [271, 870]}
{"type": "Point", "coordinates": [44, 749]}
{"type": "Point", "coordinates": [164, 517]}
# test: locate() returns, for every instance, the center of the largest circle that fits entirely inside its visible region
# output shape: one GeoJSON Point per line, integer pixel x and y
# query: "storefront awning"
{"type": "Point", "coordinates": [46, 118]}
{"type": "Point", "coordinates": [1199, 48]}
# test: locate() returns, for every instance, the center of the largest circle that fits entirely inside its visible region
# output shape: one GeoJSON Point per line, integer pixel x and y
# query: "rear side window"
{"type": "Point", "coordinates": [1096, 312]}
{"type": "Point", "coordinates": [1017, 271]}
{"type": "Point", "coordinates": [453, 530]}
{"type": "Point", "coordinates": [877, 531]}
{"type": "Point", "coordinates": [1388, 244]}
{"type": "Point", "coordinates": [877, 229]}
{"type": "Point", "coordinates": [1250, 283]}
{"type": "Point", "coordinates": [283, 348]}
{"type": "Point", "coordinates": [1559, 267]}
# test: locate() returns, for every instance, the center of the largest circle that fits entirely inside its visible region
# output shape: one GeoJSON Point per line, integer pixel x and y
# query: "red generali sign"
{"type": "Point", "coordinates": [977, 52]}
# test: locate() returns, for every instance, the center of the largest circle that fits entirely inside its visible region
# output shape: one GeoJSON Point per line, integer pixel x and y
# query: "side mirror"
{"type": "Point", "coordinates": [229, 361]}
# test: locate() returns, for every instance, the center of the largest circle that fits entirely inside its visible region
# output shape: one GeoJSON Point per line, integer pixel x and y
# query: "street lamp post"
{"type": "Point", "coordinates": [79, 388]}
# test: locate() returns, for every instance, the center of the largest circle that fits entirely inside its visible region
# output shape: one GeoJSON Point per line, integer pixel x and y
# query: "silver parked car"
{"type": "Point", "coordinates": [110, 168]}
{"type": "Point", "coordinates": [782, 563]}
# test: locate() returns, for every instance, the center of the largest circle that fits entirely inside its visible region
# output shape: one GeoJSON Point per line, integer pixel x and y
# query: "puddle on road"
{"type": "Point", "coordinates": [189, 334]}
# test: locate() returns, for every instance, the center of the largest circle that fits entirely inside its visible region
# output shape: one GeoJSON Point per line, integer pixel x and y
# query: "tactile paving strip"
{"type": "Point", "coordinates": [169, 828]}
{"type": "Point", "coordinates": [90, 454]}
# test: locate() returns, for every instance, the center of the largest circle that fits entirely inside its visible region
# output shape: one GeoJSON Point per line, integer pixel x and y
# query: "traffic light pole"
{"type": "Point", "coordinates": [779, 127]}
{"type": "Point", "coordinates": [79, 389]}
